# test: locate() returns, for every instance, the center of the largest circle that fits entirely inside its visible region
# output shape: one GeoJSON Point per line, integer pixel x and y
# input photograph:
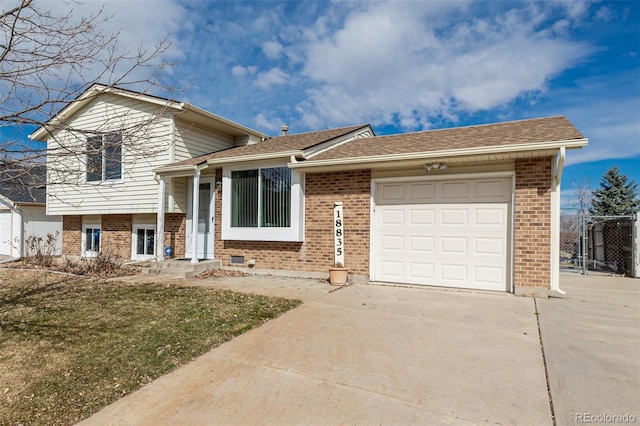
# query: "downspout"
{"type": "Point", "coordinates": [555, 222]}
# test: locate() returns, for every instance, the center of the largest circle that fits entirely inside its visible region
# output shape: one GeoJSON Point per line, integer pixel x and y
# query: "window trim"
{"type": "Point", "coordinates": [103, 159]}
{"type": "Point", "coordinates": [294, 232]}
{"type": "Point", "coordinates": [134, 241]}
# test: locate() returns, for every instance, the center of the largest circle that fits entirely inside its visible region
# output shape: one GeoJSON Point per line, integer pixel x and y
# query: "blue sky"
{"type": "Point", "coordinates": [406, 65]}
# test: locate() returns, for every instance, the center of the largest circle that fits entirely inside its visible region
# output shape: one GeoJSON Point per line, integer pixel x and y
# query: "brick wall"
{"type": "Point", "coordinates": [316, 252]}
{"type": "Point", "coordinates": [72, 235]}
{"type": "Point", "coordinates": [116, 235]}
{"type": "Point", "coordinates": [532, 223]}
{"type": "Point", "coordinates": [175, 230]}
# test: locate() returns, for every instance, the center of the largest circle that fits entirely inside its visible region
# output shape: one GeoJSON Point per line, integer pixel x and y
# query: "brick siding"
{"type": "Point", "coordinates": [315, 254]}
{"type": "Point", "coordinates": [72, 235]}
{"type": "Point", "coordinates": [116, 235]}
{"type": "Point", "coordinates": [532, 223]}
{"type": "Point", "coordinates": [175, 233]}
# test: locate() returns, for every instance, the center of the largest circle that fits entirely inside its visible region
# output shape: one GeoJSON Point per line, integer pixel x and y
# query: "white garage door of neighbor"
{"type": "Point", "coordinates": [5, 232]}
{"type": "Point", "coordinates": [451, 233]}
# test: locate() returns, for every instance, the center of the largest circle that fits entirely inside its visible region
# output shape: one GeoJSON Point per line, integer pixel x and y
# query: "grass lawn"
{"type": "Point", "coordinates": [70, 346]}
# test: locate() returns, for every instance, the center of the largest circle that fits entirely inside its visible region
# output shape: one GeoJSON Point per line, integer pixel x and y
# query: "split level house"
{"type": "Point", "coordinates": [471, 207]}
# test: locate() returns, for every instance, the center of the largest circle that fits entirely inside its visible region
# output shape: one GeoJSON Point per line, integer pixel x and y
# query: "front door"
{"type": "Point", "coordinates": [206, 209]}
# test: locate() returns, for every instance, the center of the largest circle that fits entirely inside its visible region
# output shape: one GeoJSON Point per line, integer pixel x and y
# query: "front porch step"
{"type": "Point", "coordinates": [181, 268]}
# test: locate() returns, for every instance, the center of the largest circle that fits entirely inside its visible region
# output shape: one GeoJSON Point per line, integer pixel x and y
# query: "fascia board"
{"type": "Point", "coordinates": [175, 171]}
{"type": "Point", "coordinates": [569, 144]}
{"type": "Point", "coordinates": [256, 157]}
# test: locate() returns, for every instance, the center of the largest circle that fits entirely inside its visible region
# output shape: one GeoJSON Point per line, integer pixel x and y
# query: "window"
{"type": "Point", "coordinates": [261, 198]}
{"type": "Point", "coordinates": [204, 209]}
{"type": "Point", "coordinates": [146, 241]}
{"type": "Point", "coordinates": [104, 157]}
{"type": "Point", "coordinates": [263, 203]}
{"type": "Point", "coordinates": [91, 241]}
{"type": "Point", "coordinates": [143, 241]}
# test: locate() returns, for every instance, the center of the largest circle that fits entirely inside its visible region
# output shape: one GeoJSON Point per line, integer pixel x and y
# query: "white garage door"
{"type": "Point", "coordinates": [5, 232]}
{"type": "Point", "coordinates": [450, 233]}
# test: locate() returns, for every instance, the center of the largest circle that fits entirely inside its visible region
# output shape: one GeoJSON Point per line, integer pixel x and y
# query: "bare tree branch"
{"type": "Point", "coordinates": [47, 60]}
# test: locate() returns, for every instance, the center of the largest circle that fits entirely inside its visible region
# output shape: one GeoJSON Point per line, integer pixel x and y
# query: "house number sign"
{"type": "Point", "coordinates": [338, 233]}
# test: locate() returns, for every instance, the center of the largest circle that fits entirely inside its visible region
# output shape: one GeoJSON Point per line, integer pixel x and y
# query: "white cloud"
{"type": "Point", "coordinates": [240, 71]}
{"type": "Point", "coordinates": [272, 49]}
{"type": "Point", "coordinates": [273, 77]}
{"type": "Point", "coordinates": [416, 61]}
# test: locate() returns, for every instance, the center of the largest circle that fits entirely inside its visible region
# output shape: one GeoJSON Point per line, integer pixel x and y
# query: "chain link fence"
{"type": "Point", "coordinates": [599, 244]}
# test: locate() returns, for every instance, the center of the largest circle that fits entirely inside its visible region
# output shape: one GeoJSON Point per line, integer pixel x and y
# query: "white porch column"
{"type": "Point", "coordinates": [194, 216]}
{"type": "Point", "coordinates": [160, 221]}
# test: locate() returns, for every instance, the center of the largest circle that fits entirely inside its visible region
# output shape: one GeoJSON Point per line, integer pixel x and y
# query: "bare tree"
{"type": "Point", "coordinates": [571, 217]}
{"type": "Point", "coordinates": [48, 59]}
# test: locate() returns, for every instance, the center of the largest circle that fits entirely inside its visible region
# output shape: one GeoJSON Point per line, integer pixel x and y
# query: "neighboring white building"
{"type": "Point", "coordinates": [23, 214]}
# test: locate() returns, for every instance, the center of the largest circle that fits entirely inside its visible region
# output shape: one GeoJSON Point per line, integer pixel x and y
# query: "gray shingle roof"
{"type": "Point", "coordinates": [539, 130]}
{"type": "Point", "coordinates": [23, 184]}
{"type": "Point", "coordinates": [293, 142]}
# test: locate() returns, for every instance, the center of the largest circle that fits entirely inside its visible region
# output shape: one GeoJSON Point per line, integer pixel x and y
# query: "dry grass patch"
{"type": "Point", "coordinates": [69, 346]}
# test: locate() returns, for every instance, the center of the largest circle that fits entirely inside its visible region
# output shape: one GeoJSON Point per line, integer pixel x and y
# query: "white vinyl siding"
{"type": "Point", "coordinates": [192, 141]}
{"type": "Point", "coordinates": [136, 192]}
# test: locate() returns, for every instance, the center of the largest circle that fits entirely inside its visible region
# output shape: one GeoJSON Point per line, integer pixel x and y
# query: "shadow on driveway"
{"type": "Point", "coordinates": [591, 340]}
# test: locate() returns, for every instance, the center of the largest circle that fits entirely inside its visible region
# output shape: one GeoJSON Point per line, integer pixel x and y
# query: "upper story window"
{"type": "Point", "coordinates": [104, 157]}
{"type": "Point", "coordinates": [261, 198]}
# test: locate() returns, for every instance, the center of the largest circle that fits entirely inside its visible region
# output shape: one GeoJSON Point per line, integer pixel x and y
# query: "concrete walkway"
{"type": "Point", "coordinates": [591, 340]}
{"type": "Point", "coordinates": [360, 355]}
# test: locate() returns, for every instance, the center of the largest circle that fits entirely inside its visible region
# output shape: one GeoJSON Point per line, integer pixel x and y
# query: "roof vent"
{"type": "Point", "coordinates": [285, 129]}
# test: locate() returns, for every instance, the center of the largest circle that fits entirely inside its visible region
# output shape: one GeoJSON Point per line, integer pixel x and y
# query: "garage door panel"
{"type": "Point", "coordinates": [491, 189]}
{"type": "Point", "coordinates": [454, 190]}
{"type": "Point", "coordinates": [454, 272]}
{"type": "Point", "coordinates": [457, 244]}
{"type": "Point", "coordinates": [489, 216]}
{"type": "Point", "coordinates": [391, 192]}
{"type": "Point", "coordinates": [422, 244]}
{"type": "Point", "coordinates": [454, 216]}
{"type": "Point", "coordinates": [421, 271]}
{"type": "Point", "coordinates": [392, 269]}
{"type": "Point", "coordinates": [422, 216]}
{"type": "Point", "coordinates": [5, 233]}
{"type": "Point", "coordinates": [489, 246]}
{"type": "Point", "coordinates": [490, 277]}
{"type": "Point", "coordinates": [393, 216]}
{"type": "Point", "coordinates": [453, 245]}
{"type": "Point", "coordinates": [393, 243]}
{"type": "Point", "coordinates": [422, 192]}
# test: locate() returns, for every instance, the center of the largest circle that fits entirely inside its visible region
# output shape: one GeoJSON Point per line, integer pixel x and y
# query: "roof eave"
{"type": "Point", "coordinates": [426, 155]}
{"type": "Point", "coordinates": [42, 132]}
{"type": "Point", "coordinates": [255, 157]}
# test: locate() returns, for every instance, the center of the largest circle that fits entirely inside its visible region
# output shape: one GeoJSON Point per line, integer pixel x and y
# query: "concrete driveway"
{"type": "Point", "coordinates": [591, 340]}
{"type": "Point", "coordinates": [361, 355]}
